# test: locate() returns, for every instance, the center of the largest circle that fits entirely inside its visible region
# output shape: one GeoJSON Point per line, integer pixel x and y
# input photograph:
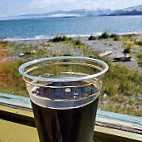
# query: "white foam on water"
{"type": "Point", "coordinates": [37, 37]}
{"type": "Point", "coordinates": [40, 37]}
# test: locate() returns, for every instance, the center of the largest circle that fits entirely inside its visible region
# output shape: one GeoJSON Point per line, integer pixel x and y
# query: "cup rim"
{"type": "Point", "coordinates": [23, 66]}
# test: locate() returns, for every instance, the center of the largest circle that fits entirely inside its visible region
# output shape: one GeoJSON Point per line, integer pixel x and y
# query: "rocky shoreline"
{"type": "Point", "coordinates": [100, 45]}
{"type": "Point", "coordinates": [116, 49]}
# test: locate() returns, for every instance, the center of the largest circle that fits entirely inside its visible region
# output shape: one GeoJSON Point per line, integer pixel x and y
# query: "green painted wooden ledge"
{"type": "Point", "coordinates": [16, 112]}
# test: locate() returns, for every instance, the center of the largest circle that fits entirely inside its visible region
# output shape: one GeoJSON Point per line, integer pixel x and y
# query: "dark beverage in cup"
{"type": "Point", "coordinates": [65, 97]}
{"type": "Point", "coordinates": [66, 124]}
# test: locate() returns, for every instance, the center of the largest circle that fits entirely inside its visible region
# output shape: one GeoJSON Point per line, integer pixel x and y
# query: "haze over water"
{"type": "Point", "coordinates": [41, 28]}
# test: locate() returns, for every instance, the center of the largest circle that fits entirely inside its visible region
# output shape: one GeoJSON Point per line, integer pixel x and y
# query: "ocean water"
{"type": "Point", "coordinates": [48, 27]}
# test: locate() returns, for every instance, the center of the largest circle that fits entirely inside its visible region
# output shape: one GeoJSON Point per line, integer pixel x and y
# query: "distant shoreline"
{"type": "Point", "coordinates": [44, 37]}
{"type": "Point", "coordinates": [66, 17]}
{"type": "Point", "coordinates": [100, 45]}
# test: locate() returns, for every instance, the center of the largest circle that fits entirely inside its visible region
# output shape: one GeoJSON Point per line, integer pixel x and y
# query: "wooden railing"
{"type": "Point", "coordinates": [17, 120]}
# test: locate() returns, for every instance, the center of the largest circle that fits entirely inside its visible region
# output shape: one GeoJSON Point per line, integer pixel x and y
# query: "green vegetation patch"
{"type": "Point", "coordinates": [129, 44]}
{"type": "Point", "coordinates": [59, 39]}
{"type": "Point", "coordinates": [139, 57]}
{"type": "Point", "coordinates": [114, 36]}
{"type": "Point", "coordinates": [92, 38]}
{"type": "Point", "coordinates": [127, 50]}
{"type": "Point", "coordinates": [104, 35]}
{"type": "Point", "coordinates": [11, 81]}
{"type": "Point", "coordinates": [121, 87]}
{"type": "Point", "coordinates": [127, 37]}
{"type": "Point", "coordinates": [138, 43]}
{"type": "Point", "coordinates": [45, 44]}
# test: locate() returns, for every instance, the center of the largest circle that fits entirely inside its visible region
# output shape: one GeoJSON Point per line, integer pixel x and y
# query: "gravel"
{"type": "Point", "coordinates": [114, 46]}
{"type": "Point", "coordinates": [98, 45]}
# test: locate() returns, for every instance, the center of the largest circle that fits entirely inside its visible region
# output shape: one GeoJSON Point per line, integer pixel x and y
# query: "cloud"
{"type": "Point", "coordinates": [52, 5]}
{"type": "Point", "coordinates": [65, 4]}
{"type": "Point", "coordinates": [17, 7]}
{"type": "Point", "coordinates": [43, 3]}
{"type": "Point", "coordinates": [3, 9]}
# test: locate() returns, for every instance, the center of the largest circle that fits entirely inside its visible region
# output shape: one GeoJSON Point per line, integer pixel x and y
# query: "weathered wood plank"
{"type": "Point", "coordinates": [105, 53]}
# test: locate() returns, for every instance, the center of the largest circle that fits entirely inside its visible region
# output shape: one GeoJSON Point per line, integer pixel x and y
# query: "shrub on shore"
{"type": "Point", "coordinates": [114, 36]}
{"type": "Point", "coordinates": [128, 35]}
{"type": "Point", "coordinates": [77, 42]}
{"type": "Point", "coordinates": [60, 38]}
{"type": "Point", "coordinates": [138, 43]}
{"type": "Point", "coordinates": [92, 38]}
{"type": "Point", "coordinates": [104, 35]}
{"type": "Point", "coordinates": [127, 50]}
{"type": "Point", "coordinates": [139, 57]}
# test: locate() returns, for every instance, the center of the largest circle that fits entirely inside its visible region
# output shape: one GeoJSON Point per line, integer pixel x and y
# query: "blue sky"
{"type": "Point", "coordinates": [19, 7]}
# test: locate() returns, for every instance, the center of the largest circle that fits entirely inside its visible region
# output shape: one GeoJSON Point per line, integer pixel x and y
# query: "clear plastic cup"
{"type": "Point", "coordinates": [64, 94]}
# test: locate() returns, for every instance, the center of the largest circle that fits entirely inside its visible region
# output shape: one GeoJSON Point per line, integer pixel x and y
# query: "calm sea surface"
{"type": "Point", "coordinates": [40, 28]}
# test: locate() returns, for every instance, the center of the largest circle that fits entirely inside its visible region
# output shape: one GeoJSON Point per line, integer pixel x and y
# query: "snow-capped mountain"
{"type": "Point", "coordinates": [135, 10]}
{"type": "Point", "coordinates": [64, 14]}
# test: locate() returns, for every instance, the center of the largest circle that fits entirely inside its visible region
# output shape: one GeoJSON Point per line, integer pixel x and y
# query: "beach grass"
{"type": "Point", "coordinates": [114, 36]}
{"type": "Point", "coordinates": [121, 90]}
{"type": "Point", "coordinates": [139, 58]}
{"type": "Point", "coordinates": [138, 43]}
{"type": "Point", "coordinates": [11, 81]}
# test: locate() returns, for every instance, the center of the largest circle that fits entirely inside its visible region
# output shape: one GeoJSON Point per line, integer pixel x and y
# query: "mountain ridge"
{"type": "Point", "coordinates": [135, 10]}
